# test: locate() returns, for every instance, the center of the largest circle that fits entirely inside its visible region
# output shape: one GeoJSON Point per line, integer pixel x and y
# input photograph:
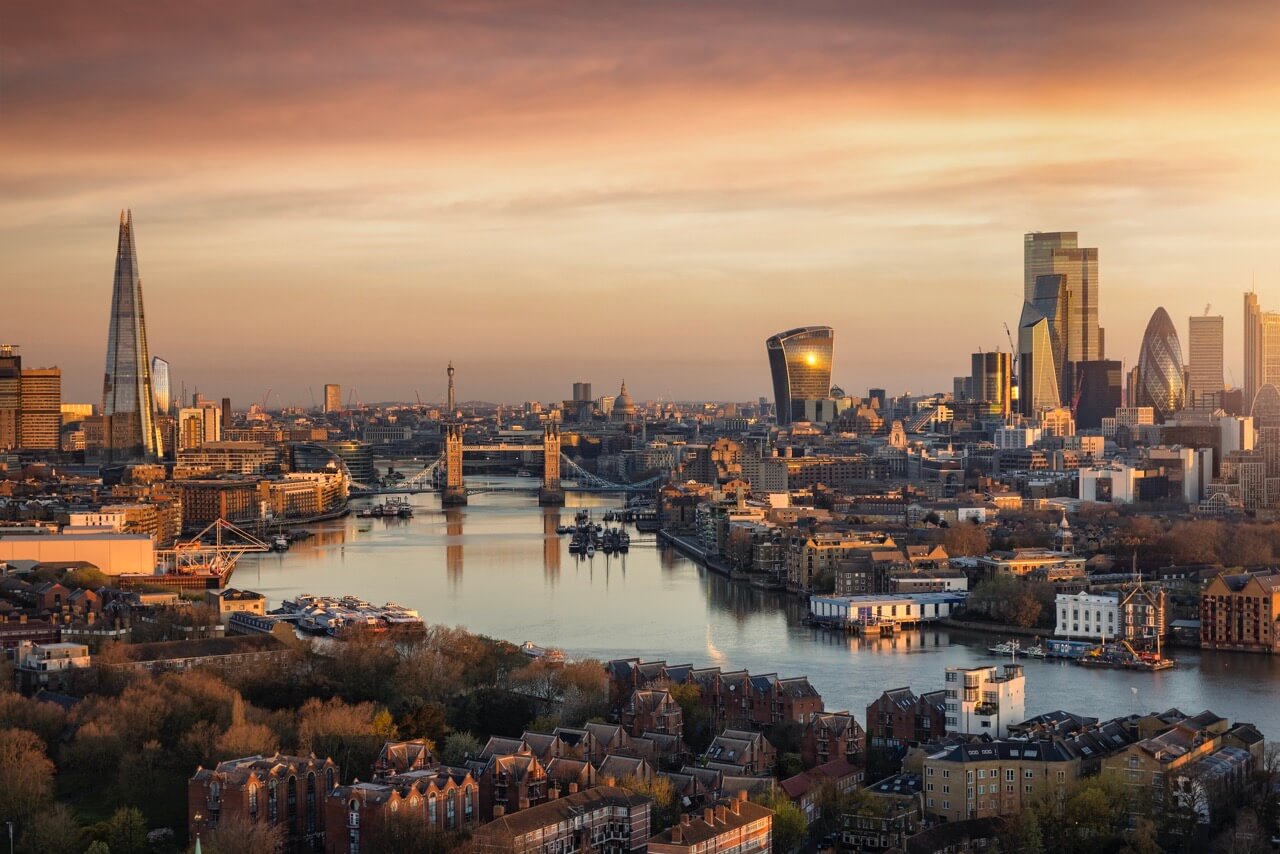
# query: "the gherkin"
{"type": "Point", "coordinates": [1160, 373]}
{"type": "Point", "coordinates": [128, 402]}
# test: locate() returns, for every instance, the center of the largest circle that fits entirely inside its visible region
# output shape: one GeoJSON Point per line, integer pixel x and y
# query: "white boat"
{"type": "Point", "coordinates": [591, 551]}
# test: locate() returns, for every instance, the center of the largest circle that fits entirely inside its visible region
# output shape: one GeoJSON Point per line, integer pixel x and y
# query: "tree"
{"type": "Point", "coordinates": [966, 540]}
{"type": "Point", "coordinates": [351, 735]}
{"type": "Point", "coordinates": [53, 830]}
{"type": "Point", "coordinates": [421, 719]}
{"type": "Point", "coordinates": [1021, 834]}
{"type": "Point", "coordinates": [126, 832]}
{"type": "Point", "coordinates": [666, 801]}
{"type": "Point", "coordinates": [458, 746]}
{"type": "Point", "coordinates": [400, 832]}
{"type": "Point", "coordinates": [26, 772]}
{"type": "Point", "coordinates": [240, 836]}
{"type": "Point", "coordinates": [245, 739]}
{"type": "Point", "coordinates": [790, 827]}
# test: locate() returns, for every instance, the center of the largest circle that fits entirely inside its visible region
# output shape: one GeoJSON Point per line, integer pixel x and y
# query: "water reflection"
{"type": "Point", "coordinates": [655, 603]}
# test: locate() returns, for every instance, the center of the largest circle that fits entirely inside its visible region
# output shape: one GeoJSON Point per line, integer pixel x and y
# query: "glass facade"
{"type": "Point", "coordinates": [1098, 387]}
{"type": "Point", "coordinates": [800, 363]}
{"type": "Point", "coordinates": [1204, 371]}
{"type": "Point", "coordinates": [127, 398]}
{"type": "Point", "coordinates": [1037, 373]}
{"type": "Point", "coordinates": [1160, 383]}
{"type": "Point", "coordinates": [989, 382]}
{"type": "Point", "coordinates": [1266, 407]}
{"type": "Point", "coordinates": [160, 387]}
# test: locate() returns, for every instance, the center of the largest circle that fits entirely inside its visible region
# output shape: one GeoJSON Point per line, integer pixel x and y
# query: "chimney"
{"type": "Point", "coordinates": [553, 792]}
{"type": "Point", "coordinates": [677, 836]}
{"type": "Point", "coordinates": [722, 814]}
{"type": "Point", "coordinates": [573, 788]}
{"type": "Point", "coordinates": [499, 811]}
{"type": "Point", "coordinates": [742, 794]}
{"type": "Point", "coordinates": [685, 818]}
{"type": "Point", "coordinates": [736, 806]}
{"type": "Point", "coordinates": [709, 816]}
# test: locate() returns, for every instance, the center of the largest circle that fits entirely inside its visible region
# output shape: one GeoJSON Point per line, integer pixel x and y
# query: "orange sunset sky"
{"type": "Point", "coordinates": [549, 191]}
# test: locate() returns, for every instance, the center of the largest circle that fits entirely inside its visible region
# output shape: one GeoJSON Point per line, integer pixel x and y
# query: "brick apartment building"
{"type": "Point", "coordinates": [277, 790]}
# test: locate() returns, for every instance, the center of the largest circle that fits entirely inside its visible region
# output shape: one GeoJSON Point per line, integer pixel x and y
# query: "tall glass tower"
{"type": "Point", "coordinates": [128, 400]}
{"type": "Point", "coordinates": [1160, 371]}
{"type": "Point", "coordinates": [800, 363]}
{"type": "Point", "coordinates": [160, 385]}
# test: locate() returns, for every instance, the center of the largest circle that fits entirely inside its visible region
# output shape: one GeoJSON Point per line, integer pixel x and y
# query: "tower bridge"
{"type": "Point", "coordinates": [454, 491]}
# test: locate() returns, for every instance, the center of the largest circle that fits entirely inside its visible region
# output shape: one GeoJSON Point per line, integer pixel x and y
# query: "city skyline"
{"type": "Point", "coordinates": [589, 188]}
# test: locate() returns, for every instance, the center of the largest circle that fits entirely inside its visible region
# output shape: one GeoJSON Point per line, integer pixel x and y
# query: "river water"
{"type": "Point", "coordinates": [497, 567]}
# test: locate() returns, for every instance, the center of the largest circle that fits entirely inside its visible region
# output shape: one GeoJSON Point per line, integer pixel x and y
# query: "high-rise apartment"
{"type": "Point", "coordinates": [40, 420]}
{"type": "Point", "coordinates": [161, 388]}
{"type": "Point", "coordinates": [1204, 369]}
{"type": "Point", "coordinates": [332, 397]}
{"type": "Point", "coordinates": [800, 363]}
{"type": "Point", "coordinates": [128, 404]}
{"type": "Point", "coordinates": [10, 395]}
{"type": "Point", "coordinates": [1160, 379]}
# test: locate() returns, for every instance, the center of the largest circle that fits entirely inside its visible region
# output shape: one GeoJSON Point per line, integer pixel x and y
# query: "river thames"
{"type": "Point", "coordinates": [497, 567]}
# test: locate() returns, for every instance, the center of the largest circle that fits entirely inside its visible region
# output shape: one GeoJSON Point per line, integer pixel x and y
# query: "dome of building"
{"type": "Point", "coordinates": [837, 392]}
{"type": "Point", "coordinates": [624, 408]}
{"type": "Point", "coordinates": [1160, 374]}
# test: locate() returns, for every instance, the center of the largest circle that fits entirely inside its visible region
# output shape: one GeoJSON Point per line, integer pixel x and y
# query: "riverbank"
{"type": "Point", "coordinates": [993, 628]}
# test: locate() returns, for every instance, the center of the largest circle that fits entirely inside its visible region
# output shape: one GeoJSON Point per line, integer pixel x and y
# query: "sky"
{"type": "Point", "coordinates": [546, 192]}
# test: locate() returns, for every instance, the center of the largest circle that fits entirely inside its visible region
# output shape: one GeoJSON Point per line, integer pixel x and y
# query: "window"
{"type": "Point", "coordinates": [946, 790]}
{"type": "Point", "coordinates": [1029, 774]}
{"type": "Point", "coordinates": [929, 787]}
{"type": "Point", "coordinates": [1008, 775]}
{"type": "Point", "coordinates": [946, 805]}
{"type": "Point", "coordinates": [1028, 789]}
{"type": "Point", "coordinates": [1062, 776]}
{"type": "Point", "coordinates": [431, 809]}
{"type": "Point", "coordinates": [451, 810]}
{"type": "Point", "coordinates": [273, 802]}
{"type": "Point", "coordinates": [253, 802]}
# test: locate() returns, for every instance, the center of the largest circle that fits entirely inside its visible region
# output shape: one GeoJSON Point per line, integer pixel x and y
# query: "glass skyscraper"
{"type": "Point", "coordinates": [1160, 383]}
{"type": "Point", "coordinates": [800, 363]}
{"type": "Point", "coordinates": [1204, 368]}
{"type": "Point", "coordinates": [128, 401]}
{"type": "Point", "coordinates": [1072, 274]}
{"type": "Point", "coordinates": [160, 385]}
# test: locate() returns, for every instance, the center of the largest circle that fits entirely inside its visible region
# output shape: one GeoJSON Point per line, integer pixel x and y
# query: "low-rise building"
{"type": "Point", "coordinates": [230, 601]}
{"type": "Point", "coordinates": [48, 666]}
{"type": "Point", "coordinates": [731, 826]}
{"type": "Point", "coordinates": [1239, 612]}
{"type": "Point", "coordinates": [983, 700]}
{"type": "Point", "coordinates": [278, 790]}
{"type": "Point", "coordinates": [604, 819]}
{"type": "Point", "coordinates": [439, 799]}
{"type": "Point", "coordinates": [895, 813]}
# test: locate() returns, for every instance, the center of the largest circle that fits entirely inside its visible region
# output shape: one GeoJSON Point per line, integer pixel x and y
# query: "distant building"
{"type": "Point", "coordinates": [48, 666]}
{"type": "Point", "coordinates": [800, 364]}
{"type": "Point", "coordinates": [40, 422]}
{"type": "Point", "coordinates": [990, 382]}
{"type": "Point", "coordinates": [161, 387]}
{"type": "Point", "coordinates": [10, 395]}
{"type": "Point", "coordinates": [230, 601]}
{"type": "Point", "coordinates": [332, 397]}
{"type": "Point", "coordinates": [1160, 370]}
{"type": "Point", "coordinates": [1204, 365]}
{"type": "Point", "coordinates": [130, 431]}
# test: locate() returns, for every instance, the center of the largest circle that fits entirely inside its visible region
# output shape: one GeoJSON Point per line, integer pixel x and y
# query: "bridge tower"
{"type": "Point", "coordinates": [551, 495]}
{"type": "Point", "coordinates": [455, 491]}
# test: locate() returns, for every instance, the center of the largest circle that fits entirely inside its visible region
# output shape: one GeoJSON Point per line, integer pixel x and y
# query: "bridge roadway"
{"type": "Point", "coordinates": [475, 490]}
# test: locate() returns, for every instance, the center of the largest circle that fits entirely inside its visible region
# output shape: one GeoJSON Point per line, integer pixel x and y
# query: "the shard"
{"type": "Point", "coordinates": [130, 432]}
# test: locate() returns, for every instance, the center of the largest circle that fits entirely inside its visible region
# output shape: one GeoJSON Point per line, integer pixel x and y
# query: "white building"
{"type": "Point", "coordinates": [1014, 438]}
{"type": "Point", "coordinates": [984, 701]}
{"type": "Point", "coordinates": [1088, 615]}
{"type": "Point", "coordinates": [42, 665]}
{"type": "Point", "coordinates": [885, 608]}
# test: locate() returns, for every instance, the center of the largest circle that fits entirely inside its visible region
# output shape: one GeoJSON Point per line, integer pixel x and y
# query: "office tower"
{"type": "Point", "coordinates": [877, 397]}
{"type": "Point", "coordinates": [40, 421]}
{"type": "Point", "coordinates": [800, 363]}
{"type": "Point", "coordinates": [1037, 373]}
{"type": "Point", "coordinates": [1252, 348]}
{"type": "Point", "coordinates": [1204, 370]}
{"type": "Point", "coordinates": [1098, 392]}
{"type": "Point", "coordinates": [128, 405]}
{"type": "Point", "coordinates": [1160, 381]}
{"type": "Point", "coordinates": [226, 412]}
{"type": "Point", "coordinates": [1266, 407]}
{"type": "Point", "coordinates": [161, 388]}
{"type": "Point", "coordinates": [332, 397]}
{"type": "Point", "coordinates": [962, 389]}
{"type": "Point", "coordinates": [582, 392]}
{"type": "Point", "coordinates": [1057, 253]}
{"type": "Point", "coordinates": [1051, 298]}
{"type": "Point", "coordinates": [10, 395]}
{"type": "Point", "coordinates": [991, 383]}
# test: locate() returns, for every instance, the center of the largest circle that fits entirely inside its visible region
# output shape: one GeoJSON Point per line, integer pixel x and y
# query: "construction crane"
{"type": "Point", "coordinates": [266, 395]}
{"type": "Point", "coordinates": [1207, 306]}
{"type": "Point", "coordinates": [1013, 350]}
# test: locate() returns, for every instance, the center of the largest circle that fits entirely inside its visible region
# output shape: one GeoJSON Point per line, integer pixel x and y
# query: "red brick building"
{"type": "Point", "coordinates": [278, 790]}
{"type": "Point", "coordinates": [605, 819]}
{"type": "Point", "coordinates": [733, 825]}
{"type": "Point", "coordinates": [901, 717]}
{"type": "Point", "coordinates": [833, 735]}
{"type": "Point", "coordinates": [441, 799]}
{"type": "Point", "coordinates": [651, 711]}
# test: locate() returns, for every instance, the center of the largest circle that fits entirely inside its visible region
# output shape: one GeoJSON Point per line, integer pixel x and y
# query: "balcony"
{"type": "Point", "coordinates": [353, 820]}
